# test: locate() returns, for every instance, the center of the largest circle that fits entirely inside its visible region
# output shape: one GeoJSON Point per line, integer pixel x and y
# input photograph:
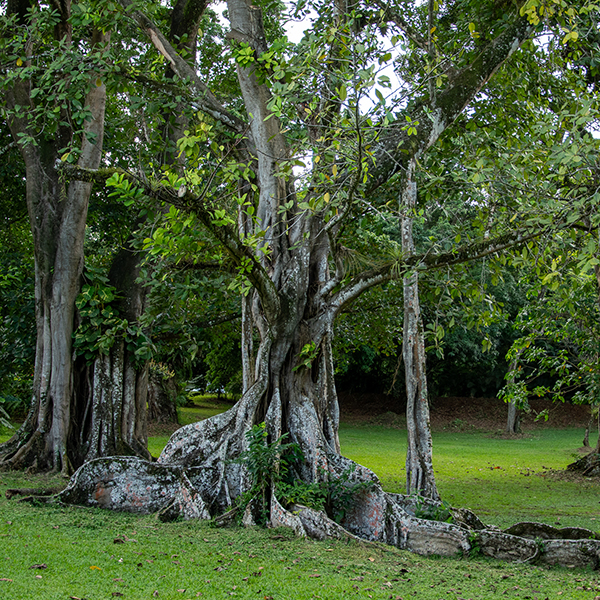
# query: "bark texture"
{"type": "Point", "coordinates": [162, 394]}
{"type": "Point", "coordinates": [419, 461]}
{"type": "Point", "coordinates": [191, 490]}
{"type": "Point", "coordinates": [57, 212]}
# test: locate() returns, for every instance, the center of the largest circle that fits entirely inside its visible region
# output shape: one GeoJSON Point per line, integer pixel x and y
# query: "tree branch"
{"type": "Point", "coordinates": [434, 116]}
{"type": "Point", "coordinates": [207, 101]}
{"type": "Point", "coordinates": [226, 234]}
{"type": "Point", "coordinates": [393, 16]}
{"type": "Point", "coordinates": [428, 262]}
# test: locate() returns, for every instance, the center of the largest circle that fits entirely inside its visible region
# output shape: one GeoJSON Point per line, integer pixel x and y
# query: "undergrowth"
{"type": "Point", "coordinates": [274, 467]}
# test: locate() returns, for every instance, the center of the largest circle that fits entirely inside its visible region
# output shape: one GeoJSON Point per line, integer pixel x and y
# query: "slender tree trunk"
{"type": "Point", "coordinates": [586, 435]}
{"type": "Point", "coordinates": [513, 421]}
{"type": "Point", "coordinates": [420, 478]}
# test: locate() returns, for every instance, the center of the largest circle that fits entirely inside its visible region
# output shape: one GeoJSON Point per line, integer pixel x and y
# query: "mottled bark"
{"type": "Point", "coordinates": [420, 478]}
{"type": "Point", "coordinates": [57, 214]}
{"type": "Point", "coordinates": [162, 394]}
{"type": "Point", "coordinates": [188, 491]}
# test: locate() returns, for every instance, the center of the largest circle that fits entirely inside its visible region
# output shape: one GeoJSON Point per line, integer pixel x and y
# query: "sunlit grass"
{"type": "Point", "coordinates": [85, 553]}
{"type": "Point", "coordinates": [503, 480]}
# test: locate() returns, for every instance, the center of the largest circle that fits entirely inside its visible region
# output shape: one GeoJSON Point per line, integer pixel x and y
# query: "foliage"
{"type": "Point", "coordinates": [433, 512]}
{"type": "Point", "coordinates": [101, 326]}
{"type": "Point", "coordinates": [4, 416]}
{"type": "Point", "coordinates": [558, 355]}
{"type": "Point", "coordinates": [271, 468]}
{"type": "Point", "coordinates": [266, 463]}
{"type": "Point", "coordinates": [17, 302]}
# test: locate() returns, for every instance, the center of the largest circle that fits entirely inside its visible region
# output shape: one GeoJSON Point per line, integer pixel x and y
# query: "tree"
{"type": "Point", "coordinates": [55, 103]}
{"type": "Point", "coordinates": [290, 234]}
{"type": "Point", "coordinates": [292, 246]}
{"type": "Point", "coordinates": [58, 64]}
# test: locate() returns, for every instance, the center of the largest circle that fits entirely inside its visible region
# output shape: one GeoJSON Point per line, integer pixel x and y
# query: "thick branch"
{"type": "Point", "coordinates": [396, 146]}
{"type": "Point", "coordinates": [429, 262]}
{"type": "Point", "coordinates": [225, 234]}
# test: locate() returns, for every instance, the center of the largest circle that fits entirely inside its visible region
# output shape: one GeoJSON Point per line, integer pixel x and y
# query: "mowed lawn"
{"type": "Point", "coordinates": [53, 552]}
{"type": "Point", "coordinates": [502, 480]}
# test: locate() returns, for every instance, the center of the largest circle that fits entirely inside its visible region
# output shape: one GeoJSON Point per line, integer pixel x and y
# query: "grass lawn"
{"type": "Point", "coordinates": [61, 553]}
{"type": "Point", "coordinates": [55, 553]}
{"type": "Point", "coordinates": [502, 480]}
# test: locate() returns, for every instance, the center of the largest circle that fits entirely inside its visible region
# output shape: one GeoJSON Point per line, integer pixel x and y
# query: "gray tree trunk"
{"type": "Point", "coordinates": [420, 478]}
{"type": "Point", "coordinates": [57, 214]}
{"type": "Point", "coordinates": [513, 421]}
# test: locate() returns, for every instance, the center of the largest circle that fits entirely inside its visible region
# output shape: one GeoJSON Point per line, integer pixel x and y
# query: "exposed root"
{"type": "Point", "coordinates": [32, 492]}
{"type": "Point", "coordinates": [588, 465]}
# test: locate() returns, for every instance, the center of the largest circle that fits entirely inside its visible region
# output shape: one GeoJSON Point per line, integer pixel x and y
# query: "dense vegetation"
{"type": "Point", "coordinates": [212, 203]}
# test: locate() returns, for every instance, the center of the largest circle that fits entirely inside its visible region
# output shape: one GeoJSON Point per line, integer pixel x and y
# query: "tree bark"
{"type": "Point", "coordinates": [513, 420]}
{"type": "Point", "coordinates": [420, 478]}
{"type": "Point", "coordinates": [161, 399]}
{"type": "Point", "coordinates": [118, 392]}
{"type": "Point", "coordinates": [57, 214]}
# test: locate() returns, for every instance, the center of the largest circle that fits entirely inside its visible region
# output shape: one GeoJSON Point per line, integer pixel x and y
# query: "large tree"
{"type": "Point", "coordinates": [292, 242]}
{"type": "Point", "coordinates": [301, 253]}
{"type": "Point", "coordinates": [89, 397]}
{"type": "Point", "coordinates": [54, 97]}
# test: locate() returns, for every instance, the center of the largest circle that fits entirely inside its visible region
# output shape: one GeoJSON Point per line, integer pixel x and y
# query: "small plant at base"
{"type": "Point", "coordinates": [540, 545]}
{"type": "Point", "coordinates": [475, 548]}
{"type": "Point", "coordinates": [267, 464]}
{"type": "Point", "coordinates": [313, 495]}
{"type": "Point", "coordinates": [342, 494]}
{"type": "Point", "coordinates": [433, 512]}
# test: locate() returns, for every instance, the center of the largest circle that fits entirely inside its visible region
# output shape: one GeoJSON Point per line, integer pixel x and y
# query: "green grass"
{"type": "Point", "coordinates": [467, 473]}
{"type": "Point", "coordinates": [186, 560]}
{"type": "Point", "coordinates": [96, 554]}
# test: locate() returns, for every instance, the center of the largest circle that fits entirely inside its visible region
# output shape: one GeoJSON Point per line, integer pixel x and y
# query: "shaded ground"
{"type": "Point", "coordinates": [484, 414]}
{"type": "Point", "coordinates": [481, 414]}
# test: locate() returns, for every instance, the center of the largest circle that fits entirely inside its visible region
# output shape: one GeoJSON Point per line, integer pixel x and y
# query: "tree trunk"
{"type": "Point", "coordinates": [513, 421]}
{"type": "Point", "coordinates": [162, 394]}
{"type": "Point", "coordinates": [80, 411]}
{"type": "Point", "coordinates": [57, 214]}
{"type": "Point", "coordinates": [420, 478]}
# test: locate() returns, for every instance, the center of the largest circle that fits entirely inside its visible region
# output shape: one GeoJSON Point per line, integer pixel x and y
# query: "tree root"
{"type": "Point", "coordinates": [174, 491]}
{"type": "Point", "coordinates": [588, 465]}
{"type": "Point", "coordinates": [32, 492]}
